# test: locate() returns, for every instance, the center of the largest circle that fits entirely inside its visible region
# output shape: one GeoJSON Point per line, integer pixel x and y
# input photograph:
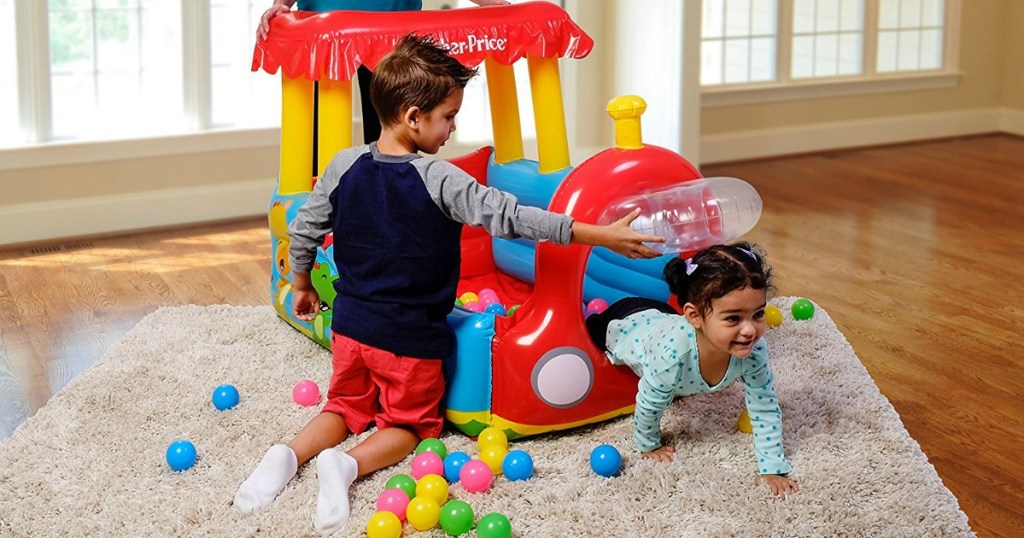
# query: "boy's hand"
{"type": "Point", "coordinates": [618, 237]}
{"type": "Point", "coordinates": [664, 453]}
{"type": "Point", "coordinates": [779, 485]}
{"type": "Point", "coordinates": [305, 301]}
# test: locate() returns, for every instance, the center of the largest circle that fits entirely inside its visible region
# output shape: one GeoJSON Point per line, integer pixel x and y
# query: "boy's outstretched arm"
{"type": "Point", "coordinates": [618, 237]}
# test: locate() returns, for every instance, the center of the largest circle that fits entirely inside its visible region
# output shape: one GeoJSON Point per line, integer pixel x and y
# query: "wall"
{"type": "Point", "coordinates": [989, 76]}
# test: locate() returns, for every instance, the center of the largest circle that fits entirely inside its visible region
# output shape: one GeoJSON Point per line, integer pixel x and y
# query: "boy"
{"type": "Point", "coordinates": [397, 219]}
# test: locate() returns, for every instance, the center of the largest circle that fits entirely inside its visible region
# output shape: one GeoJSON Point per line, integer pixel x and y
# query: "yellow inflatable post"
{"type": "Point", "coordinates": [508, 131]}
{"type": "Point", "coordinates": [334, 120]}
{"type": "Point", "coordinates": [546, 88]}
{"type": "Point", "coordinates": [626, 111]}
{"type": "Point", "coordinates": [296, 135]}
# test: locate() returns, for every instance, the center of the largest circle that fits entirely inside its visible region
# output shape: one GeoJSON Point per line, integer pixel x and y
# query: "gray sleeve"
{"type": "Point", "coordinates": [313, 221]}
{"type": "Point", "coordinates": [465, 200]}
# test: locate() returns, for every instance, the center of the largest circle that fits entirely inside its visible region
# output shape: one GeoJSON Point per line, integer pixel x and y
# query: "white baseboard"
{"type": "Point", "coordinates": [105, 214]}
{"type": "Point", "coordinates": [1012, 121]}
{"type": "Point", "coordinates": [868, 132]}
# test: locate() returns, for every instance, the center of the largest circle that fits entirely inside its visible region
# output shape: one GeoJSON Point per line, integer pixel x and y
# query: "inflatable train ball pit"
{"type": "Point", "coordinates": [536, 370]}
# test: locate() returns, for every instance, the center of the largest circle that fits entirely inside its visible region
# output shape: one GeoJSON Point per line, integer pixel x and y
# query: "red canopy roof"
{"type": "Point", "coordinates": [334, 44]}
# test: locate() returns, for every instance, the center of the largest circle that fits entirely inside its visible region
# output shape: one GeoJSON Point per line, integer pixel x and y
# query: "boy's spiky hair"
{"type": "Point", "coordinates": [420, 73]}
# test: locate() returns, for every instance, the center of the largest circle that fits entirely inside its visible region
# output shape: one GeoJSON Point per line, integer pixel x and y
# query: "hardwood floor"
{"type": "Point", "coordinates": [914, 250]}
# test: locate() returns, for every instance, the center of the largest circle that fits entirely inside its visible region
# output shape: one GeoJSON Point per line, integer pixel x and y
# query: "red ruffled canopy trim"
{"type": "Point", "coordinates": [334, 44]}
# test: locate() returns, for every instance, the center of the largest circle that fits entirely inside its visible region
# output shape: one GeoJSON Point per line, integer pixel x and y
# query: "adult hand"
{"type": "Point", "coordinates": [264, 27]}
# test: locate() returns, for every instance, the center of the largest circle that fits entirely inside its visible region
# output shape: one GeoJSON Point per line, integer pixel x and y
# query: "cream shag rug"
{"type": "Point", "coordinates": [91, 462]}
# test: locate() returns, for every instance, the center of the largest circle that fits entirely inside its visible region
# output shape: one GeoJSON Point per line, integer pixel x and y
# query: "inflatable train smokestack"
{"type": "Point", "coordinates": [536, 370]}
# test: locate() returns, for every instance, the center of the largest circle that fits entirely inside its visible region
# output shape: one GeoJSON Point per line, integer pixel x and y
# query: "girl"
{"type": "Point", "coordinates": [717, 340]}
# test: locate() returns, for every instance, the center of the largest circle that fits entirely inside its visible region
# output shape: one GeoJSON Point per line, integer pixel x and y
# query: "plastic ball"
{"type": "Point", "coordinates": [518, 465]}
{"type": "Point", "coordinates": [306, 393]}
{"type": "Point", "coordinates": [803, 309]}
{"type": "Point", "coordinates": [772, 316]}
{"type": "Point", "coordinates": [383, 525]}
{"type": "Point", "coordinates": [456, 517]}
{"type": "Point", "coordinates": [393, 500]}
{"type": "Point", "coordinates": [476, 476]}
{"type": "Point", "coordinates": [743, 423]}
{"type": "Point", "coordinates": [403, 482]}
{"type": "Point", "coordinates": [225, 397]}
{"type": "Point", "coordinates": [497, 309]}
{"type": "Point", "coordinates": [488, 296]}
{"type": "Point", "coordinates": [453, 465]}
{"type": "Point", "coordinates": [423, 513]}
{"type": "Point", "coordinates": [494, 525]}
{"type": "Point", "coordinates": [597, 305]}
{"type": "Point", "coordinates": [427, 463]}
{"type": "Point", "coordinates": [605, 460]}
{"type": "Point", "coordinates": [469, 297]}
{"type": "Point", "coordinates": [434, 445]}
{"type": "Point", "coordinates": [493, 456]}
{"type": "Point", "coordinates": [475, 306]}
{"type": "Point", "coordinates": [492, 436]}
{"type": "Point", "coordinates": [458, 302]}
{"type": "Point", "coordinates": [181, 455]}
{"type": "Point", "coordinates": [512, 309]}
{"type": "Point", "coordinates": [433, 486]}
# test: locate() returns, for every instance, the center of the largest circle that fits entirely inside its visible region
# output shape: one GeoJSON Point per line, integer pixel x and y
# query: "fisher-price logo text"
{"type": "Point", "coordinates": [475, 44]}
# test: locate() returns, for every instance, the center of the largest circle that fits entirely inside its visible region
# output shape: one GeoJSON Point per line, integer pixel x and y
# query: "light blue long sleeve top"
{"type": "Point", "coordinates": [662, 350]}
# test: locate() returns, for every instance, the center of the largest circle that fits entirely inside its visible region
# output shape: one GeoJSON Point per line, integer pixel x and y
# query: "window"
{"type": "Point", "coordinates": [783, 41]}
{"type": "Point", "coordinates": [119, 69]}
{"type": "Point", "coordinates": [474, 125]}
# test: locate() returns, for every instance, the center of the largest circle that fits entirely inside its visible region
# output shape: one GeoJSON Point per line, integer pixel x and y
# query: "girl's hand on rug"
{"type": "Point", "coordinates": [779, 485]}
{"type": "Point", "coordinates": [664, 453]}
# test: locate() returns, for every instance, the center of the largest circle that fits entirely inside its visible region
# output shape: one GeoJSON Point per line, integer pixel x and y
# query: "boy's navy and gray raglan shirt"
{"type": "Point", "coordinates": [397, 223]}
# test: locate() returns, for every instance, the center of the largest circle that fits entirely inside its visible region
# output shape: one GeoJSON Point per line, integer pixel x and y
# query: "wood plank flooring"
{"type": "Point", "coordinates": [914, 250]}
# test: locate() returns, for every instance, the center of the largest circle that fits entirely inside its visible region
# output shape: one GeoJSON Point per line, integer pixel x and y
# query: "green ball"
{"type": "Point", "coordinates": [403, 482]}
{"type": "Point", "coordinates": [512, 309]}
{"type": "Point", "coordinates": [494, 525]}
{"type": "Point", "coordinates": [803, 309]}
{"type": "Point", "coordinates": [456, 517]}
{"type": "Point", "coordinates": [433, 444]}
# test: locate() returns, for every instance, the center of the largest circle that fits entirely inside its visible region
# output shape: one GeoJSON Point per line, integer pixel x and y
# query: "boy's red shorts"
{"type": "Point", "coordinates": [373, 385]}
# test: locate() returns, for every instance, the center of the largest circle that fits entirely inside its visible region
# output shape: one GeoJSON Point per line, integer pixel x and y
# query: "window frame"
{"type": "Point", "coordinates": [785, 88]}
{"type": "Point", "coordinates": [34, 96]}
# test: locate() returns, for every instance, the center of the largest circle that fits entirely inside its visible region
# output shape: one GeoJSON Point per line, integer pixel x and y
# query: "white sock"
{"type": "Point", "coordinates": [273, 473]}
{"type": "Point", "coordinates": [336, 471]}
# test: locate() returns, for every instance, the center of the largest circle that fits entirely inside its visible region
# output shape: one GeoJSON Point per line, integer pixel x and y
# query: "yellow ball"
{"type": "Point", "coordinates": [468, 297]}
{"type": "Point", "coordinates": [384, 525]}
{"type": "Point", "coordinates": [772, 316]}
{"type": "Point", "coordinates": [423, 513]}
{"type": "Point", "coordinates": [743, 423]}
{"type": "Point", "coordinates": [433, 486]}
{"type": "Point", "coordinates": [493, 456]}
{"type": "Point", "coordinates": [492, 436]}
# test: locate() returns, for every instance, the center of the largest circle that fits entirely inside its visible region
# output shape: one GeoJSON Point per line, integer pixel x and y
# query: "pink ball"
{"type": "Point", "coordinates": [306, 393]}
{"type": "Point", "coordinates": [597, 305]}
{"type": "Point", "coordinates": [476, 476]}
{"type": "Point", "coordinates": [427, 463]}
{"type": "Point", "coordinates": [475, 306]}
{"type": "Point", "coordinates": [393, 500]}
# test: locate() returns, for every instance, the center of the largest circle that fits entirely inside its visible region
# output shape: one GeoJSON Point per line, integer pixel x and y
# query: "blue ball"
{"type": "Point", "coordinates": [605, 460]}
{"type": "Point", "coordinates": [453, 465]}
{"type": "Point", "coordinates": [497, 309]}
{"type": "Point", "coordinates": [181, 455]}
{"type": "Point", "coordinates": [225, 397]}
{"type": "Point", "coordinates": [518, 465]}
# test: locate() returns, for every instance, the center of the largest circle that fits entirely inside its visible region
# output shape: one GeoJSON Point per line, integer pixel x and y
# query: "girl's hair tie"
{"type": "Point", "coordinates": [690, 266]}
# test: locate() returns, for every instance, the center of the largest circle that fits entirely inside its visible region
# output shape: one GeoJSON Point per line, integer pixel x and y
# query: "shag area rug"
{"type": "Point", "coordinates": [92, 461]}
